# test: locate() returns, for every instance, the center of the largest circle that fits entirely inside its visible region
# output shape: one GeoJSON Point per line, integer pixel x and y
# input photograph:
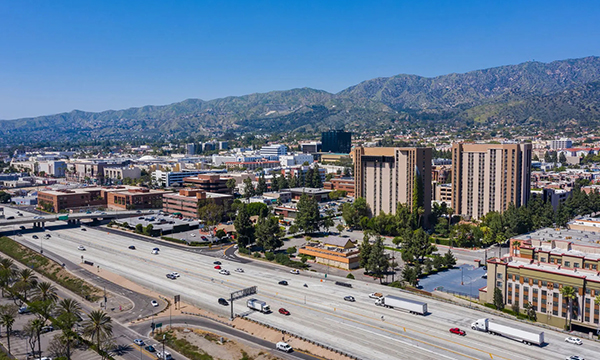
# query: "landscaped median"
{"type": "Point", "coordinates": [48, 268]}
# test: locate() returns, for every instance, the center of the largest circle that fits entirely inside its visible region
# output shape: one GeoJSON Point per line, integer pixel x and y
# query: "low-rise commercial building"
{"type": "Point", "coordinates": [341, 184]}
{"type": "Point", "coordinates": [252, 165]}
{"type": "Point", "coordinates": [120, 173]}
{"type": "Point", "coordinates": [318, 194]}
{"type": "Point", "coordinates": [187, 201]}
{"type": "Point", "coordinates": [209, 183]}
{"type": "Point", "coordinates": [334, 251]}
{"type": "Point", "coordinates": [114, 197]}
{"type": "Point", "coordinates": [133, 199]}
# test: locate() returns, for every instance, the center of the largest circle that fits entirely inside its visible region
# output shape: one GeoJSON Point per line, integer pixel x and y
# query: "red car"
{"type": "Point", "coordinates": [218, 267]}
{"type": "Point", "coordinates": [458, 331]}
{"type": "Point", "coordinates": [284, 311]}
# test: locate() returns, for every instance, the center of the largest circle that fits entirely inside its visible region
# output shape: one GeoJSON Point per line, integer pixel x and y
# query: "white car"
{"type": "Point", "coordinates": [224, 272]}
{"type": "Point", "coordinates": [193, 235]}
{"type": "Point", "coordinates": [154, 303]}
{"type": "Point", "coordinates": [81, 248]}
{"type": "Point", "coordinates": [283, 346]}
{"type": "Point", "coordinates": [574, 340]}
{"type": "Point", "coordinates": [154, 252]}
{"type": "Point", "coordinates": [240, 270]}
{"type": "Point", "coordinates": [175, 274]}
{"type": "Point", "coordinates": [295, 271]}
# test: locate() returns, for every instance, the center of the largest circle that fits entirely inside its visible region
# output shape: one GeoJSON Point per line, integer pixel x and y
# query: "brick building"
{"type": "Point", "coordinates": [342, 184]}
{"type": "Point", "coordinates": [188, 201]}
{"type": "Point", "coordinates": [209, 183]}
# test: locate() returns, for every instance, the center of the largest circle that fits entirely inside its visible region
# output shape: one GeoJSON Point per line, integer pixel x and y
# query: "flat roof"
{"type": "Point", "coordinates": [579, 237]}
{"type": "Point", "coordinates": [549, 268]}
{"type": "Point", "coordinates": [308, 190]}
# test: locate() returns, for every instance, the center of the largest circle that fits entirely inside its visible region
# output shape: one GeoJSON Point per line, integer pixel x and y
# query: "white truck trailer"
{"type": "Point", "coordinates": [526, 337]}
{"type": "Point", "coordinates": [259, 305]}
{"type": "Point", "coordinates": [394, 302]}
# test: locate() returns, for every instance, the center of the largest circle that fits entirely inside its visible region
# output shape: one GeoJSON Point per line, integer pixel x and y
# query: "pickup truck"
{"type": "Point", "coordinates": [375, 295]}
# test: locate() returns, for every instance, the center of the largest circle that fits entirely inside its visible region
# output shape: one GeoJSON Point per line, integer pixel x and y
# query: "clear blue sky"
{"type": "Point", "coordinates": [57, 56]}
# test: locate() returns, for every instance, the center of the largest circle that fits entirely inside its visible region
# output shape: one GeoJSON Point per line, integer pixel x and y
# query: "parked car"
{"type": "Point", "coordinates": [295, 271]}
{"type": "Point", "coordinates": [283, 282]}
{"type": "Point", "coordinates": [218, 267]}
{"type": "Point", "coordinates": [81, 248]}
{"type": "Point", "coordinates": [154, 252]}
{"type": "Point", "coordinates": [283, 346]}
{"type": "Point", "coordinates": [47, 328]}
{"type": "Point", "coordinates": [165, 356]}
{"type": "Point", "coordinates": [24, 310]}
{"type": "Point", "coordinates": [223, 302]}
{"type": "Point", "coordinates": [139, 342]}
{"type": "Point", "coordinates": [574, 340]}
{"type": "Point", "coordinates": [458, 331]}
{"type": "Point", "coordinates": [156, 249]}
{"type": "Point", "coordinates": [131, 247]}
{"type": "Point", "coordinates": [154, 303]}
{"type": "Point", "coordinates": [349, 298]}
{"type": "Point", "coordinates": [284, 311]}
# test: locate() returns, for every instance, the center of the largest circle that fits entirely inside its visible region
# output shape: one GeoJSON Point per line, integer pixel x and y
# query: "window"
{"type": "Point", "coordinates": [543, 293]}
{"type": "Point", "coordinates": [559, 261]}
{"type": "Point", "coordinates": [555, 312]}
{"type": "Point", "coordinates": [544, 283]}
{"type": "Point", "coordinates": [535, 291]}
{"type": "Point", "coordinates": [588, 291]}
{"type": "Point", "coordinates": [594, 266]}
{"type": "Point", "coordinates": [576, 265]}
{"type": "Point", "coordinates": [567, 263]}
{"type": "Point", "coordinates": [543, 259]}
{"type": "Point", "coordinates": [517, 287]}
{"type": "Point", "coordinates": [543, 308]}
{"type": "Point", "coordinates": [525, 280]}
{"type": "Point", "coordinates": [517, 277]}
{"type": "Point", "coordinates": [499, 276]}
{"type": "Point", "coordinates": [499, 284]}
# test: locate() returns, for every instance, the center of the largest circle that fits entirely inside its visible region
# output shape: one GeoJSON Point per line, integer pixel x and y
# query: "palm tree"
{"type": "Point", "coordinates": [7, 272]}
{"type": "Point", "coordinates": [568, 293]}
{"type": "Point", "coordinates": [26, 280]}
{"type": "Point", "coordinates": [99, 325]}
{"type": "Point", "coordinates": [69, 311]}
{"type": "Point", "coordinates": [7, 318]}
{"type": "Point", "coordinates": [45, 291]}
{"type": "Point", "coordinates": [35, 329]}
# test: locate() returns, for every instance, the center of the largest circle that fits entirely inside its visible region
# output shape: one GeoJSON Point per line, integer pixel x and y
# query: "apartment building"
{"type": "Point", "coordinates": [442, 192]}
{"type": "Point", "coordinates": [385, 176]}
{"type": "Point", "coordinates": [489, 177]}
{"type": "Point", "coordinates": [540, 264]}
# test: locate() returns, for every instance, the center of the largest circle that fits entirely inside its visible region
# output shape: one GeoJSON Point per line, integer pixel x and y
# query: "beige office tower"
{"type": "Point", "coordinates": [385, 176]}
{"type": "Point", "coordinates": [488, 177]}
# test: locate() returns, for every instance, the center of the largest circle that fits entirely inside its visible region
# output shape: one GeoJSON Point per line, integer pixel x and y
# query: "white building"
{"type": "Point", "coordinates": [190, 149]}
{"type": "Point", "coordinates": [563, 143]}
{"type": "Point", "coordinates": [172, 178]}
{"type": "Point", "coordinates": [120, 173]}
{"type": "Point", "coordinates": [53, 168]}
{"type": "Point", "coordinates": [296, 159]}
{"type": "Point", "coordinates": [219, 160]}
{"type": "Point", "coordinates": [273, 150]}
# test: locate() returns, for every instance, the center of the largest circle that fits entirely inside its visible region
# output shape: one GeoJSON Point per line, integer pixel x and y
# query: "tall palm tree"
{"type": "Point", "coordinates": [99, 326]}
{"type": "Point", "coordinates": [26, 280]}
{"type": "Point", "coordinates": [7, 272]}
{"type": "Point", "coordinates": [44, 291]}
{"type": "Point", "coordinates": [568, 293]}
{"type": "Point", "coordinates": [69, 311]}
{"type": "Point", "coordinates": [7, 318]}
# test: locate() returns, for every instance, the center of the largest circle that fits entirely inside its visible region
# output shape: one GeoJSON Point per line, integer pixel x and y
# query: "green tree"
{"type": "Point", "coordinates": [365, 252]}
{"type": "Point", "coordinates": [416, 245]}
{"type": "Point", "coordinates": [261, 187]}
{"type": "Point", "coordinates": [317, 182]}
{"type": "Point", "coordinates": [327, 221]}
{"type": "Point", "coordinates": [257, 208]}
{"type": "Point", "coordinates": [231, 184]}
{"type": "Point", "coordinates": [268, 233]}
{"type": "Point", "coordinates": [568, 293]}
{"type": "Point", "coordinates": [148, 230]}
{"type": "Point", "coordinates": [33, 330]}
{"type": "Point", "coordinates": [249, 190]}
{"type": "Point", "coordinates": [449, 259]}
{"type": "Point", "coordinates": [221, 233]}
{"type": "Point", "coordinates": [211, 213]}
{"type": "Point", "coordinates": [139, 229]}
{"type": "Point", "coordinates": [98, 326]}
{"type": "Point", "coordinates": [410, 275]}
{"type": "Point", "coordinates": [282, 182]}
{"type": "Point", "coordinates": [7, 319]}
{"type": "Point", "coordinates": [5, 197]}
{"type": "Point", "coordinates": [308, 218]}
{"type": "Point", "coordinates": [530, 310]}
{"type": "Point", "coordinates": [69, 312]}
{"type": "Point", "coordinates": [418, 199]}
{"type": "Point", "coordinates": [275, 183]}
{"type": "Point", "coordinates": [340, 228]}
{"type": "Point", "coordinates": [562, 158]}
{"type": "Point", "coordinates": [378, 263]}
{"type": "Point", "coordinates": [8, 272]}
{"type": "Point", "coordinates": [243, 227]}
{"type": "Point", "coordinates": [498, 300]}
{"type": "Point", "coordinates": [26, 280]}
{"type": "Point", "coordinates": [44, 291]}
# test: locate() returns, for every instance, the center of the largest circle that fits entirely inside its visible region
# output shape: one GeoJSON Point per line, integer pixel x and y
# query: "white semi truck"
{"type": "Point", "coordinates": [259, 305]}
{"type": "Point", "coordinates": [526, 337]}
{"type": "Point", "coordinates": [394, 302]}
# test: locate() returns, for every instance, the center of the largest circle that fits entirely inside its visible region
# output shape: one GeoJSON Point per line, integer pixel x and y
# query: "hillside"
{"type": "Point", "coordinates": [549, 94]}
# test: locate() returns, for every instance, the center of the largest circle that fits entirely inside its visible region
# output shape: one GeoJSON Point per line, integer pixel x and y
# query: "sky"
{"type": "Point", "coordinates": [57, 56]}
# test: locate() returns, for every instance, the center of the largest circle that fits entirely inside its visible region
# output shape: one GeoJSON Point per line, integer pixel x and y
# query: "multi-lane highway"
{"type": "Point", "coordinates": [318, 311]}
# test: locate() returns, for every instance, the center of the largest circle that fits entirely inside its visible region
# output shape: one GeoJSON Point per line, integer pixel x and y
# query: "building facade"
{"type": "Point", "coordinates": [188, 201]}
{"type": "Point", "coordinates": [208, 183]}
{"type": "Point", "coordinates": [336, 141]}
{"type": "Point", "coordinates": [489, 177]}
{"type": "Point", "coordinates": [561, 144]}
{"type": "Point", "coordinates": [386, 177]}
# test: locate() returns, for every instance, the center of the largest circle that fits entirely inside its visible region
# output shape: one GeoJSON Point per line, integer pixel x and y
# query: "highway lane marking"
{"type": "Point", "coordinates": [201, 277]}
{"type": "Point", "coordinates": [309, 354]}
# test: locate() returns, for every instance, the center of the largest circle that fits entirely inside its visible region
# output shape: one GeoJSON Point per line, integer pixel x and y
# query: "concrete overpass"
{"type": "Point", "coordinates": [75, 218]}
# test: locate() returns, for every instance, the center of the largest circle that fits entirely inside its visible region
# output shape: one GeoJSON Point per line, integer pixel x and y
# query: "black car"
{"type": "Point", "coordinates": [283, 282]}
{"type": "Point", "coordinates": [223, 302]}
{"type": "Point", "coordinates": [171, 276]}
{"type": "Point", "coordinates": [83, 229]}
{"type": "Point", "coordinates": [132, 247]}
{"type": "Point", "coordinates": [35, 237]}
{"type": "Point", "coordinates": [217, 263]}
{"type": "Point", "coordinates": [150, 348]}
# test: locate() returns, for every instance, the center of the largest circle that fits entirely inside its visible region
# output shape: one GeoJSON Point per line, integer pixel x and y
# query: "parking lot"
{"type": "Point", "coordinates": [464, 279]}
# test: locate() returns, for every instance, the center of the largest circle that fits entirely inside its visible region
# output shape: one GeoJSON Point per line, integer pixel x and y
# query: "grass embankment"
{"type": "Point", "coordinates": [48, 268]}
{"type": "Point", "coordinates": [183, 346]}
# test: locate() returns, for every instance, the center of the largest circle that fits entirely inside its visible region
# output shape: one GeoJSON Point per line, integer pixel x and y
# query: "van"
{"type": "Point", "coordinates": [167, 355]}
{"type": "Point", "coordinates": [283, 346]}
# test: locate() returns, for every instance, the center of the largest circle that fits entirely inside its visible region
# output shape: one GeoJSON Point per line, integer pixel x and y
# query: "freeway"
{"type": "Point", "coordinates": [28, 218]}
{"type": "Point", "coordinates": [317, 311]}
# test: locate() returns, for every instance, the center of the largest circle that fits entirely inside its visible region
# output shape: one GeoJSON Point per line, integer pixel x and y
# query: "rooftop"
{"type": "Point", "coordinates": [555, 269]}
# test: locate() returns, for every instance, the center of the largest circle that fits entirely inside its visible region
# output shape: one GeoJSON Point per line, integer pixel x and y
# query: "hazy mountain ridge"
{"type": "Point", "coordinates": [531, 92]}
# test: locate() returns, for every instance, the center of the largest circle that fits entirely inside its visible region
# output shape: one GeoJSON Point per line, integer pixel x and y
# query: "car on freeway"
{"type": "Point", "coordinates": [170, 276]}
{"type": "Point", "coordinates": [295, 271]}
{"type": "Point", "coordinates": [283, 311]}
{"type": "Point", "coordinates": [223, 302]}
{"type": "Point", "coordinates": [150, 212]}
{"type": "Point", "coordinates": [10, 218]}
{"type": "Point", "coordinates": [283, 346]}
{"type": "Point", "coordinates": [283, 282]}
{"type": "Point", "coordinates": [138, 212]}
{"type": "Point", "coordinates": [150, 348]}
{"type": "Point", "coordinates": [217, 263]}
{"type": "Point", "coordinates": [48, 236]}
{"type": "Point", "coordinates": [35, 237]}
{"type": "Point", "coordinates": [47, 328]}
{"type": "Point", "coordinates": [139, 342]}
{"type": "Point", "coordinates": [224, 272]}
{"type": "Point", "coordinates": [218, 267]}
{"type": "Point", "coordinates": [375, 295]}
{"type": "Point", "coordinates": [83, 229]}
{"type": "Point", "coordinates": [22, 227]}
{"type": "Point", "coordinates": [131, 247]}
{"type": "Point", "coordinates": [19, 214]}
{"type": "Point", "coordinates": [154, 303]}
{"type": "Point", "coordinates": [458, 331]}
{"type": "Point", "coordinates": [81, 248]}
{"type": "Point", "coordinates": [240, 270]}
{"type": "Point", "coordinates": [165, 356]}
{"type": "Point", "coordinates": [154, 252]}
{"type": "Point", "coordinates": [575, 357]}
{"type": "Point", "coordinates": [156, 249]}
{"type": "Point", "coordinates": [349, 298]}
{"type": "Point", "coordinates": [175, 273]}
{"type": "Point", "coordinates": [574, 340]}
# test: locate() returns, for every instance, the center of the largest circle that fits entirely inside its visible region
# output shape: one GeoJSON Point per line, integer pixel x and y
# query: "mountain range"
{"type": "Point", "coordinates": [556, 94]}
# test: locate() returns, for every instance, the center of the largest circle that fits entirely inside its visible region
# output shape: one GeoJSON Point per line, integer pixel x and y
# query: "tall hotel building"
{"type": "Point", "coordinates": [385, 176]}
{"type": "Point", "coordinates": [488, 177]}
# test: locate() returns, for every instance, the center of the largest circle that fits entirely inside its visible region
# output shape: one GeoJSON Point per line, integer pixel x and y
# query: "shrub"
{"type": "Point", "coordinates": [257, 255]}
{"type": "Point", "coordinates": [350, 276]}
{"type": "Point", "coordinates": [243, 250]}
{"type": "Point", "coordinates": [397, 284]}
{"type": "Point", "coordinates": [291, 250]}
{"type": "Point", "coordinates": [269, 256]}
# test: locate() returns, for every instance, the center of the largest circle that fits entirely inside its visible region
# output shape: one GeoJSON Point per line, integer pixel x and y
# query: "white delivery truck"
{"type": "Point", "coordinates": [259, 305]}
{"type": "Point", "coordinates": [394, 302]}
{"type": "Point", "coordinates": [526, 337]}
